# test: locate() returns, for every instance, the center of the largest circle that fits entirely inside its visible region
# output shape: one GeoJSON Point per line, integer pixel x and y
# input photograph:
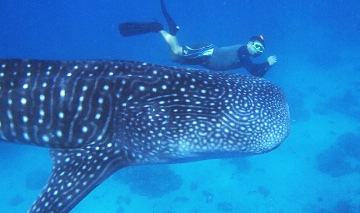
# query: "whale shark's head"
{"type": "Point", "coordinates": [196, 115]}
{"type": "Point", "coordinates": [250, 118]}
{"type": "Point", "coordinates": [253, 119]}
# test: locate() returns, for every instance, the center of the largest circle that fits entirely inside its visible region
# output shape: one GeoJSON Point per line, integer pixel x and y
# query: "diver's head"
{"type": "Point", "coordinates": [256, 45]}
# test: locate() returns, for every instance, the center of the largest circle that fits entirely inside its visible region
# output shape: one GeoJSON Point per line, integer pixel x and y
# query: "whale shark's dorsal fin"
{"type": "Point", "coordinates": [75, 173]}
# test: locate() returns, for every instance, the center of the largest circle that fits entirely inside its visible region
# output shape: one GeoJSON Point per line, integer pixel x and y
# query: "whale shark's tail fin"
{"type": "Point", "coordinates": [136, 28]}
{"type": "Point", "coordinates": [173, 27]}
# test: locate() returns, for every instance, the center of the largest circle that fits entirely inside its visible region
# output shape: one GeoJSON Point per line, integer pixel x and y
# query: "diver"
{"type": "Point", "coordinates": [204, 54]}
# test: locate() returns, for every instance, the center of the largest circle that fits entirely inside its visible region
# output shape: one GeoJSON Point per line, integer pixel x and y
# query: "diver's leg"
{"type": "Point", "coordinates": [173, 28]}
{"type": "Point", "coordinates": [172, 42]}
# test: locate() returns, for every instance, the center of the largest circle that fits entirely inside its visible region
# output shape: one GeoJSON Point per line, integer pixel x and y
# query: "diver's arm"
{"type": "Point", "coordinates": [272, 60]}
{"type": "Point", "coordinates": [258, 70]}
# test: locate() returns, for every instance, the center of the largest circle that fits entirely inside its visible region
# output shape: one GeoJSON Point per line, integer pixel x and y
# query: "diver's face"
{"type": "Point", "coordinates": [255, 48]}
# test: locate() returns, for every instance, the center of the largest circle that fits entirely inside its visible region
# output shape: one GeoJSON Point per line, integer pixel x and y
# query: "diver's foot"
{"type": "Point", "coordinates": [136, 28]}
{"type": "Point", "coordinates": [173, 27]}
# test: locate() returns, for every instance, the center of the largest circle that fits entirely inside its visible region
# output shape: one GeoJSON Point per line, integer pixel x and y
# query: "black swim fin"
{"type": "Point", "coordinates": [173, 28]}
{"type": "Point", "coordinates": [136, 28]}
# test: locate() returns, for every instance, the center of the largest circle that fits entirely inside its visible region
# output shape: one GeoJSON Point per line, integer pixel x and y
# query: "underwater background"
{"type": "Point", "coordinates": [316, 169]}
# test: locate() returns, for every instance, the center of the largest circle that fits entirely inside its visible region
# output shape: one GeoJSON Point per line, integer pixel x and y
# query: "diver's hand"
{"type": "Point", "coordinates": [272, 60]}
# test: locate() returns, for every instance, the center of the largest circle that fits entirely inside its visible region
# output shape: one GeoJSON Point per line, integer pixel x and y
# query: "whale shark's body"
{"type": "Point", "coordinates": [99, 116]}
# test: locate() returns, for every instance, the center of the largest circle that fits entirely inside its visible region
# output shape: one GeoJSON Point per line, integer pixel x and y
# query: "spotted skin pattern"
{"type": "Point", "coordinates": [99, 116]}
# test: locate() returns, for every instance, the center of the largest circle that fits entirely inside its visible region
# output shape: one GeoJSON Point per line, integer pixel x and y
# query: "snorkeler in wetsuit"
{"type": "Point", "coordinates": [205, 54]}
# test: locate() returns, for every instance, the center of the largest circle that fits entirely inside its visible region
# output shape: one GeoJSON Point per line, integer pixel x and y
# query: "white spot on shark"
{"type": "Point", "coordinates": [25, 119]}
{"type": "Point", "coordinates": [100, 100]}
{"type": "Point", "coordinates": [23, 101]}
{"type": "Point", "coordinates": [62, 93]}
{"type": "Point", "coordinates": [45, 138]}
{"type": "Point", "coordinates": [142, 88]}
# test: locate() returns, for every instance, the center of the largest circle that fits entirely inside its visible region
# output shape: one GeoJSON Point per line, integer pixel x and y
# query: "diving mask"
{"type": "Point", "coordinates": [258, 46]}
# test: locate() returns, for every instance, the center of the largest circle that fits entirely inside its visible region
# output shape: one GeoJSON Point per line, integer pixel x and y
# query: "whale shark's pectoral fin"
{"type": "Point", "coordinates": [75, 173]}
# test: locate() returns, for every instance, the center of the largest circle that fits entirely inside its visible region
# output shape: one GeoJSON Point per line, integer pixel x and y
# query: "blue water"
{"type": "Point", "coordinates": [317, 168]}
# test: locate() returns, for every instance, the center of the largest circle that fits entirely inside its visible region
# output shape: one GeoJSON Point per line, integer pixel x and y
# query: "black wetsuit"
{"type": "Point", "coordinates": [221, 58]}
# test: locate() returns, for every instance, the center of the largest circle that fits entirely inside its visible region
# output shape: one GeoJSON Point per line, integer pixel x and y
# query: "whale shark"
{"type": "Point", "coordinates": [98, 116]}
